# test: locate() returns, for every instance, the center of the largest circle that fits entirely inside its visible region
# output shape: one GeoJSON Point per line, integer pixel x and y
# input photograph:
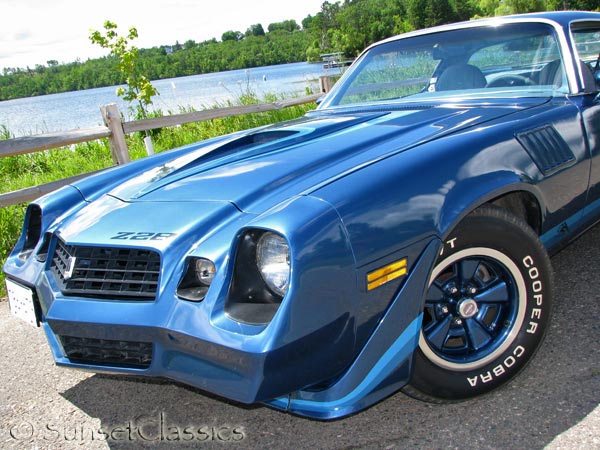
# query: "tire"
{"type": "Point", "coordinates": [487, 308]}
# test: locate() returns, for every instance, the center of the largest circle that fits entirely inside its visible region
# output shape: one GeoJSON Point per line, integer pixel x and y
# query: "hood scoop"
{"type": "Point", "coordinates": [251, 140]}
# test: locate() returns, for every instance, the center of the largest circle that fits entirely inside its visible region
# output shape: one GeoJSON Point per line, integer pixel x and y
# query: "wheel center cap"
{"type": "Point", "coordinates": [467, 308]}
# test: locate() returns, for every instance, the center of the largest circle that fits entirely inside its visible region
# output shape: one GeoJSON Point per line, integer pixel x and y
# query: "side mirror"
{"type": "Point", "coordinates": [597, 78]}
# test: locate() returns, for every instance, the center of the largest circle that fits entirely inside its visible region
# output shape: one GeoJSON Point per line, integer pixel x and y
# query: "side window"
{"type": "Point", "coordinates": [532, 61]}
{"type": "Point", "coordinates": [587, 43]}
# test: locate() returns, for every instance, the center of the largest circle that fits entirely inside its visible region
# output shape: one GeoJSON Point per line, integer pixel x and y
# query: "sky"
{"type": "Point", "coordinates": [36, 31]}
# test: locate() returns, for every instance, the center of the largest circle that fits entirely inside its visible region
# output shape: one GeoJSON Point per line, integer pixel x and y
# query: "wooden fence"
{"type": "Point", "coordinates": [115, 130]}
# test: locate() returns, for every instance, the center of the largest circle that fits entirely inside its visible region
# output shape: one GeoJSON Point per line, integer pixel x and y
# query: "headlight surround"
{"type": "Point", "coordinates": [273, 262]}
{"type": "Point", "coordinates": [261, 277]}
{"type": "Point", "coordinates": [33, 230]}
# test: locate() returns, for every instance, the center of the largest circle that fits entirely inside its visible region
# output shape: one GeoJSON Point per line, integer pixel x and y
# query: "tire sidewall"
{"type": "Point", "coordinates": [494, 229]}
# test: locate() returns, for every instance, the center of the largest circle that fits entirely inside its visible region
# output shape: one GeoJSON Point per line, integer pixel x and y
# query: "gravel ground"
{"type": "Point", "coordinates": [554, 404]}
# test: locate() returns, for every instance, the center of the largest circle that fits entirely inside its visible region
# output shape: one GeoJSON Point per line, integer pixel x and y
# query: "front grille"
{"type": "Point", "coordinates": [104, 352]}
{"type": "Point", "coordinates": [106, 272]}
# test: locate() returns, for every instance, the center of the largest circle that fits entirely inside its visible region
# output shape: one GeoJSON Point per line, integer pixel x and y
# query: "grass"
{"type": "Point", "coordinates": [18, 172]}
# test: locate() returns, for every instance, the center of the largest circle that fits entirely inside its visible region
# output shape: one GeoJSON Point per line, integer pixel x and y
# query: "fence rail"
{"type": "Point", "coordinates": [115, 130]}
{"type": "Point", "coordinates": [36, 143]}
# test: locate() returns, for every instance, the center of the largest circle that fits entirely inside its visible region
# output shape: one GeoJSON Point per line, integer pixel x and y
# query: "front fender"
{"type": "Point", "coordinates": [385, 207]}
{"type": "Point", "coordinates": [426, 190]}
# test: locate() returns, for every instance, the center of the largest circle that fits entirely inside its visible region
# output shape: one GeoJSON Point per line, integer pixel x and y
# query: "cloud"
{"type": "Point", "coordinates": [22, 35]}
{"type": "Point", "coordinates": [60, 29]}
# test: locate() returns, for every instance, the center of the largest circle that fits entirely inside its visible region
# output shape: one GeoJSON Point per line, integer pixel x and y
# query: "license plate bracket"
{"type": "Point", "coordinates": [21, 302]}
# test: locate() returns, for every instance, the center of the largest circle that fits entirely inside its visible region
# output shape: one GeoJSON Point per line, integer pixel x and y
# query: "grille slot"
{"type": "Point", "coordinates": [104, 352]}
{"type": "Point", "coordinates": [106, 272]}
{"type": "Point", "coordinates": [547, 148]}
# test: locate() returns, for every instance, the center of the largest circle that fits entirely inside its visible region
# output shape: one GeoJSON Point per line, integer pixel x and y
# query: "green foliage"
{"type": "Point", "coordinates": [255, 30]}
{"type": "Point", "coordinates": [139, 89]}
{"type": "Point", "coordinates": [43, 167]}
{"type": "Point", "coordinates": [11, 220]}
{"type": "Point", "coordinates": [287, 25]}
{"type": "Point", "coordinates": [232, 36]}
{"type": "Point", "coordinates": [4, 133]}
{"type": "Point", "coordinates": [363, 22]}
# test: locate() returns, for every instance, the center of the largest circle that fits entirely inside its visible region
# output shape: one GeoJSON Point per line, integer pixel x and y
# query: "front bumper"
{"type": "Point", "coordinates": [91, 335]}
{"type": "Point", "coordinates": [177, 340]}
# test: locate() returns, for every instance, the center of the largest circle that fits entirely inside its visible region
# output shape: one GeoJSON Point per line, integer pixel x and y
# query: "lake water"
{"type": "Point", "coordinates": [81, 109]}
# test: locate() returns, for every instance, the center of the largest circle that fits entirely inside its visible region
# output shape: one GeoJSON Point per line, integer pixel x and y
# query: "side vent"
{"type": "Point", "coordinates": [547, 148]}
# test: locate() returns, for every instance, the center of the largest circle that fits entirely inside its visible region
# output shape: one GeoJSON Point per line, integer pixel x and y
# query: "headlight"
{"type": "Point", "coordinates": [197, 279]}
{"type": "Point", "coordinates": [204, 271]}
{"type": "Point", "coordinates": [273, 261]}
{"type": "Point", "coordinates": [261, 277]}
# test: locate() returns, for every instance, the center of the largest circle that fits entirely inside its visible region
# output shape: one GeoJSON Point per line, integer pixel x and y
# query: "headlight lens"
{"type": "Point", "coordinates": [273, 262]}
{"type": "Point", "coordinates": [197, 279]}
{"type": "Point", "coordinates": [205, 271]}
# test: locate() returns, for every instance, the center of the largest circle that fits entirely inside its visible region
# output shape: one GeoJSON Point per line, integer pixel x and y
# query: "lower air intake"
{"type": "Point", "coordinates": [104, 352]}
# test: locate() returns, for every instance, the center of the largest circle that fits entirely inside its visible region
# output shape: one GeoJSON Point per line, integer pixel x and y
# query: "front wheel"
{"type": "Point", "coordinates": [486, 309]}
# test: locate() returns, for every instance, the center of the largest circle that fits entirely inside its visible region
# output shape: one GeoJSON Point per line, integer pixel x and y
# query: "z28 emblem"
{"type": "Point", "coordinates": [142, 236]}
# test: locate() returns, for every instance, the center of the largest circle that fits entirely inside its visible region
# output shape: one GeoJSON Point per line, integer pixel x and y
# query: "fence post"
{"type": "Point", "coordinates": [118, 146]}
{"type": "Point", "coordinates": [325, 83]}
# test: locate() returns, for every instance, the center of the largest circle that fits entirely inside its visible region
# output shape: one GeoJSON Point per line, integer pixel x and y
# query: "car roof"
{"type": "Point", "coordinates": [560, 19]}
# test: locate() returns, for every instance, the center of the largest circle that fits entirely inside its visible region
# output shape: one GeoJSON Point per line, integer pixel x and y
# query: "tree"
{"type": "Point", "coordinates": [189, 44]}
{"type": "Point", "coordinates": [255, 30]}
{"type": "Point", "coordinates": [328, 21]}
{"type": "Point", "coordinates": [428, 13]}
{"type": "Point", "coordinates": [232, 36]}
{"type": "Point", "coordinates": [363, 22]}
{"type": "Point", "coordinates": [520, 6]}
{"type": "Point", "coordinates": [139, 89]}
{"type": "Point", "coordinates": [286, 25]}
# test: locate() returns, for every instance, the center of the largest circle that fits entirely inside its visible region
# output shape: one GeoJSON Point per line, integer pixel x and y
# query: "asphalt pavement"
{"type": "Point", "coordinates": [554, 404]}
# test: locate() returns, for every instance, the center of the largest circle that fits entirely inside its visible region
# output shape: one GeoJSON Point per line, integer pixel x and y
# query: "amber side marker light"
{"type": "Point", "coordinates": [386, 274]}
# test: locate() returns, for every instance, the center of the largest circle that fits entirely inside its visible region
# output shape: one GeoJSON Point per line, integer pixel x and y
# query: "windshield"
{"type": "Point", "coordinates": [509, 60]}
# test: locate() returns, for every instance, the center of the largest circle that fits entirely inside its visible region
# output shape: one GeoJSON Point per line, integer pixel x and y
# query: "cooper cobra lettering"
{"type": "Point", "coordinates": [536, 287]}
{"type": "Point", "coordinates": [500, 369]}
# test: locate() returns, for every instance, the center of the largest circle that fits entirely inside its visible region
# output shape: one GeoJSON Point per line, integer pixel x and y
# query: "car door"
{"type": "Point", "coordinates": [586, 39]}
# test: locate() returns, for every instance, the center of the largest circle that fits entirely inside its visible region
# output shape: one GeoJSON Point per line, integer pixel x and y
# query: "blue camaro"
{"type": "Point", "coordinates": [395, 238]}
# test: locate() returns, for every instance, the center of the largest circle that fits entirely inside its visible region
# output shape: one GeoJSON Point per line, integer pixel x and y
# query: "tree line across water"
{"type": "Point", "coordinates": [347, 27]}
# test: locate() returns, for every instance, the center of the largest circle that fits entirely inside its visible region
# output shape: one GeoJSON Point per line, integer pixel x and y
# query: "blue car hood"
{"type": "Point", "coordinates": [260, 168]}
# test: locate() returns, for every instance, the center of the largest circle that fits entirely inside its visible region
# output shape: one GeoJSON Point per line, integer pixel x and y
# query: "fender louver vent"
{"type": "Point", "coordinates": [547, 148]}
